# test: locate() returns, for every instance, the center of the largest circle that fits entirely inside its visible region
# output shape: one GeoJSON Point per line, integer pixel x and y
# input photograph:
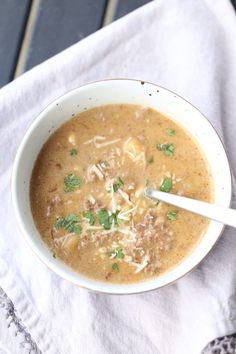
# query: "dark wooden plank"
{"type": "Point", "coordinates": [234, 4]}
{"type": "Point", "coordinates": [13, 17]}
{"type": "Point", "coordinates": [61, 23]}
{"type": "Point", "coordinates": [126, 6]}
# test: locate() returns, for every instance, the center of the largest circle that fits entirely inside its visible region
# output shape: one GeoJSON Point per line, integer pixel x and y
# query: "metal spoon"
{"type": "Point", "coordinates": [215, 212]}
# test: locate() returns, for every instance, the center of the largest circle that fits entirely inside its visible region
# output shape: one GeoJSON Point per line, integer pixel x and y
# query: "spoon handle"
{"type": "Point", "coordinates": [223, 215]}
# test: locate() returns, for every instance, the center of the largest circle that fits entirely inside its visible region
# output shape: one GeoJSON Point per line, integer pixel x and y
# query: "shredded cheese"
{"type": "Point", "coordinates": [98, 144]}
{"type": "Point", "coordinates": [112, 230]}
{"type": "Point", "coordinates": [118, 151]}
{"type": "Point", "coordinates": [140, 266]}
{"type": "Point", "coordinates": [94, 139]}
{"type": "Point", "coordinates": [93, 169]}
{"type": "Point", "coordinates": [60, 241]}
{"type": "Point", "coordinates": [128, 211]}
{"type": "Point", "coordinates": [94, 228]}
{"type": "Point", "coordinates": [140, 157]}
{"type": "Point", "coordinates": [122, 217]}
{"type": "Point", "coordinates": [127, 231]}
{"type": "Point", "coordinates": [91, 199]}
{"type": "Point", "coordinates": [125, 196]}
{"type": "Point", "coordinates": [106, 143]}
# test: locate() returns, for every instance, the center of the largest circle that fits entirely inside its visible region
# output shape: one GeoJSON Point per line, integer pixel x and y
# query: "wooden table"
{"type": "Point", "coordinates": [31, 31]}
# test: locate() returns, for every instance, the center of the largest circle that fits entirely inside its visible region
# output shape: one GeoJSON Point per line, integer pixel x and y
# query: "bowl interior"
{"type": "Point", "coordinates": [110, 92]}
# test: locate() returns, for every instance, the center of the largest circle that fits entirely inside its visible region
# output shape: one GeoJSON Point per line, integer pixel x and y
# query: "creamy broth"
{"type": "Point", "coordinates": [87, 193]}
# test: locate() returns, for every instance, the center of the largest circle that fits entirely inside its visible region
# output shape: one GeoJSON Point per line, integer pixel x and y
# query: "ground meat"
{"type": "Point", "coordinates": [58, 165]}
{"type": "Point", "coordinates": [101, 239]}
{"type": "Point", "coordinates": [84, 240]}
{"type": "Point", "coordinates": [88, 205]}
{"type": "Point", "coordinates": [143, 248]}
{"type": "Point", "coordinates": [53, 189]}
{"type": "Point", "coordinates": [52, 203]}
{"type": "Point", "coordinates": [155, 238]}
{"type": "Point", "coordinates": [108, 275]}
{"type": "Point", "coordinates": [107, 167]}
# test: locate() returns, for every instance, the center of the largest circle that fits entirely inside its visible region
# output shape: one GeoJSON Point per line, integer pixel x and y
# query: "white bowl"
{"type": "Point", "coordinates": [108, 92]}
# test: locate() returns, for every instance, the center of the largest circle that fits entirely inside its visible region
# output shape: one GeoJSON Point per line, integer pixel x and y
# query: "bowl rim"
{"type": "Point", "coordinates": [51, 264]}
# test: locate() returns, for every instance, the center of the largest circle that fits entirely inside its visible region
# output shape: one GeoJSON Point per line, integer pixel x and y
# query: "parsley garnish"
{"type": "Point", "coordinates": [104, 219]}
{"type": "Point", "coordinates": [54, 255]}
{"type": "Point", "coordinates": [172, 215]}
{"type": "Point", "coordinates": [88, 215]}
{"type": "Point", "coordinates": [117, 253]}
{"type": "Point", "coordinates": [168, 149]}
{"type": "Point", "coordinates": [170, 132]}
{"type": "Point", "coordinates": [70, 222]}
{"type": "Point", "coordinates": [115, 267]}
{"type": "Point", "coordinates": [115, 216]}
{"type": "Point", "coordinates": [73, 152]}
{"type": "Point", "coordinates": [166, 185]}
{"type": "Point", "coordinates": [71, 183]}
{"type": "Point", "coordinates": [150, 159]}
{"type": "Point", "coordinates": [118, 184]}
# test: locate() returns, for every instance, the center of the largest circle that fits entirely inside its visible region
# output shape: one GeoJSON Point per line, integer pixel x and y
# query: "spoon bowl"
{"type": "Point", "coordinates": [218, 213]}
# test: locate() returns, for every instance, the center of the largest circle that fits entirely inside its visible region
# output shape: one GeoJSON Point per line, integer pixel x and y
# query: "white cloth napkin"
{"type": "Point", "coordinates": [189, 47]}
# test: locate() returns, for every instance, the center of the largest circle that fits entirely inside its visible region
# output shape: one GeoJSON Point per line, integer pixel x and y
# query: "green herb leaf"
{"type": "Point", "coordinates": [104, 219]}
{"type": "Point", "coordinates": [170, 132]}
{"type": "Point", "coordinates": [120, 254]}
{"type": "Point", "coordinates": [117, 253]}
{"type": "Point", "coordinates": [70, 222]}
{"type": "Point", "coordinates": [166, 185]}
{"type": "Point", "coordinates": [115, 267]}
{"type": "Point", "coordinates": [168, 149]}
{"type": "Point", "coordinates": [115, 217]}
{"type": "Point", "coordinates": [54, 255]}
{"type": "Point", "coordinates": [150, 159]}
{"type": "Point", "coordinates": [172, 215]}
{"type": "Point", "coordinates": [107, 220]}
{"type": "Point", "coordinates": [71, 182]}
{"type": "Point", "coordinates": [118, 184]}
{"type": "Point", "coordinates": [88, 215]}
{"type": "Point", "coordinates": [73, 152]}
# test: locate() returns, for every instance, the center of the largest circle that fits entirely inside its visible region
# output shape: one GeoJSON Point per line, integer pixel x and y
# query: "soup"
{"type": "Point", "coordinates": [87, 195]}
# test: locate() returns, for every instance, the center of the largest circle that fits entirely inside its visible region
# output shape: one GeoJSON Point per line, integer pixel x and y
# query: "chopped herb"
{"type": "Point", "coordinates": [88, 215]}
{"type": "Point", "coordinates": [73, 152]}
{"type": "Point", "coordinates": [107, 220]}
{"type": "Point", "coordinates": [168, 149]}
{"type": "Point", "coordinates": [166, 185]}
{"type": "Point", "coordinates": [170, 132]}
{"type": "Point", "coordinates": [70, 222]}
{"type": "Point", "coordinates": [115, 267]}
{"type": "Point", "coordinates": [54, 255]}
{"type": "Point", "coordinates": [150, 159]}
{"type": "Point", "coordinates": [118, 184]}
{"type": "Point", "coordinates": [115, 217]}
{"type": "Point", "coordinates": [104, 219]}
{"type": "Point", "coordinates": [120, 254]}
{"type": "Point", "coordinates": [117, 253]}
{"type": "Point", "coordinates": [71, 182]}
{"type": "Point", "coordinates": [172, 215]}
